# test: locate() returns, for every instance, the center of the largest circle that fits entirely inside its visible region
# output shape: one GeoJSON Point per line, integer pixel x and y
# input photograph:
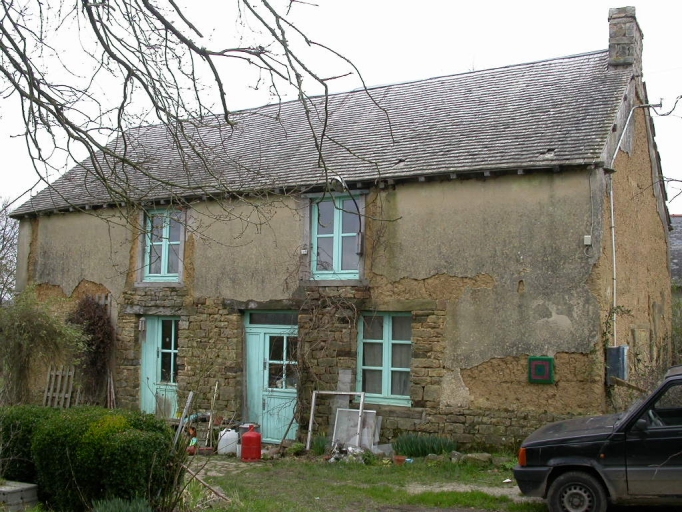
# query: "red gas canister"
{"type": "Point", "coordinates": [251, 443]}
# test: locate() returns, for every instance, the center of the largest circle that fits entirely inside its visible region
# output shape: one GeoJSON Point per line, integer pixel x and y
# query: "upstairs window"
{"type": "Point", "coordinates": [336, 238]}
{"type": "Point", "coordinates": [163, 245]}
{"type": "Point", "coordinates": [384, 357]}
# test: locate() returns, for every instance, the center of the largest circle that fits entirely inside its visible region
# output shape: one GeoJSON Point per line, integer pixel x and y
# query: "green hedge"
{"type": "Point", "coordinates": [87, 454]}
{"type": "Point", "coordinates": [17, 425]}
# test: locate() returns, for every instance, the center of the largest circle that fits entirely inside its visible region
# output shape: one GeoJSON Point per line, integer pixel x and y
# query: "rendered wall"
{"type": "Point", "coordinates": [506, 262]}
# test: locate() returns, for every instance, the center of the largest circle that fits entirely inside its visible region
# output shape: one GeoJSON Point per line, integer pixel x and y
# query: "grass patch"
{"type": "Point", "coordinates": [298, 485]}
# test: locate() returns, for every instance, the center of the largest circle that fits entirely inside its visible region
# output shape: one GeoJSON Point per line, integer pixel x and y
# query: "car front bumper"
{"type": "Point", "coordinates": [532, 480]}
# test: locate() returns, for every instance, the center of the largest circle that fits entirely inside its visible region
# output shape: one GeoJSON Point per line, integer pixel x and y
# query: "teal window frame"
{"type": "Point", "coordinates": [387, 368]}
{"type": "Point", "coordinates": [163, 245]}
{"type": "Point", "coordinates": [337, 237]}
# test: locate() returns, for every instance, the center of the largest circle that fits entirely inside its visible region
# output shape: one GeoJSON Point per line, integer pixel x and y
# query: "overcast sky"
{"type": "Point", "coordinates": [394, 41]}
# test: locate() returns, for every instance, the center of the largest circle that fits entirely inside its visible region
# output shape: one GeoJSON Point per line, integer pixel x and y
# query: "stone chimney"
{"type": "Point", "coordinates": [625, 39]}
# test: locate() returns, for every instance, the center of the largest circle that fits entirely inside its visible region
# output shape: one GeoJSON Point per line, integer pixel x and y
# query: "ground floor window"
{"type": "Point", "coordinates": [384, 356]}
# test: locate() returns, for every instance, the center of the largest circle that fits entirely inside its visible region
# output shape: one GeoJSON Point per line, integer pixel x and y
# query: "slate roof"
{"type": "Point", "coordinates": [536, 115]}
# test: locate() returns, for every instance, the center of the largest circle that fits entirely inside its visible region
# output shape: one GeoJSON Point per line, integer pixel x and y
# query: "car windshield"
{"type": "Point", "coordinates": [643, 395]}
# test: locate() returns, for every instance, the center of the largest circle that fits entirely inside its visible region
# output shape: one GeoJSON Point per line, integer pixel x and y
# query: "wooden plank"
{"type": "Point", "coordinates": [58, 387]}
{"type": "Point", "coordinates": [68, 387]}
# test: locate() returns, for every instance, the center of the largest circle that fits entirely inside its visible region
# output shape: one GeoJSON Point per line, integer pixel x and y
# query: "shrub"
{"type": "Point", "coordinates": [415, 445]}
{"type": "Point", "coordinates": [17, 425]}
{"type": "Point", "coordinates": [296, 449]}
{"type": "Point", "coordinates": [87, 454]}
{"type": "Point", "coordinates": [94, 320]}
{"type": "Point", "coordinates": [29, 333]}
{"type": "Point", "coordinates": [119, 505]}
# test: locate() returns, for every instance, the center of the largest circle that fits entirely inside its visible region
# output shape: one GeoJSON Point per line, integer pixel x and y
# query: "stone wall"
{"type": "Point", "coordinates": [210, 348]}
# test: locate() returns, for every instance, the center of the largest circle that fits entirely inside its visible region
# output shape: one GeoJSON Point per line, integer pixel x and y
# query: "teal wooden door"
{"type": "Point", "coordinates": [272, 379]}
{"type": "Point", "coordinates": [159, 368]}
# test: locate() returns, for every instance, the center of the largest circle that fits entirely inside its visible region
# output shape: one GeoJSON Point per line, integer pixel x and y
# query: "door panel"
{"type": "Point", "coordinates": [272, 379]}
{"type": "Point", "coordinates": [280, 386]}
{"type": "Point", "coordinates": [159, 370]}
{"type": "Point", "coordinates": [654, 454]}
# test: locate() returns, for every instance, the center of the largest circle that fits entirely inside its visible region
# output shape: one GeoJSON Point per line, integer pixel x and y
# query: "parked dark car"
{"type": "Point", "coordinates": [581, 465]}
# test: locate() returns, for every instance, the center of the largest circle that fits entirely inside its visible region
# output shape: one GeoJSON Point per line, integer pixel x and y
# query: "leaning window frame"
{"type": "Point", "coordinates": [385, 397]}
{"type": "Point", "coordinates": [336, 275]}
{"type": "Point", "coordinates": [164, 278]}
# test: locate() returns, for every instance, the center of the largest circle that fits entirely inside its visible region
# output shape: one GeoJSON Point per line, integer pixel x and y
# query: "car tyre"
{"type": "Point", "coordinates": [576, 491]}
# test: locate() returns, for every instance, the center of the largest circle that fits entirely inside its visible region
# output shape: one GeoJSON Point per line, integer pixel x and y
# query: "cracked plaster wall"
{"type": "Point", "coordinates": [505, 259]}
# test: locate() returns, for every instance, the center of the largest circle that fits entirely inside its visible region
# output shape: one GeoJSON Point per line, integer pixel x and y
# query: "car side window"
{"type": "Point", "coordinates": [667, 410]}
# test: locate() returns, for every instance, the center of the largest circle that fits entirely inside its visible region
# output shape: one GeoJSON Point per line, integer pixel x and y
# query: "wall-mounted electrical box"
{"type": "Point", "coordinates": [617, 363]}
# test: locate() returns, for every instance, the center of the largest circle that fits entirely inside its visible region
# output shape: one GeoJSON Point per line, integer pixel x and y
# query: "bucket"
{"type": "Point", "coordinates": [227, 441]}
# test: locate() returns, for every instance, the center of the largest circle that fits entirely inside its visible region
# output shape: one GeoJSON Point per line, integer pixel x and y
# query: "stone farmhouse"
{"type": "Point", "coordinates": [468, 250]}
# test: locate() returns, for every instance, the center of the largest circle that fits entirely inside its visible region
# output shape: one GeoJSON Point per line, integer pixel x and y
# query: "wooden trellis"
{"type": "Point", "coordinates": [59, 387]}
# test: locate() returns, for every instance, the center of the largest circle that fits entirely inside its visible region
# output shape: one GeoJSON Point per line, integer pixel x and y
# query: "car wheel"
{"type": "Point", "coordinates": [576, 491]}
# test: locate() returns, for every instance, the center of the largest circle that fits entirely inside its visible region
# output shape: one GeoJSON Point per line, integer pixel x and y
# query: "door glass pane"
{"type": "Point", "coordinates": [167, 341]}
{"type": "Point", "coordinates": [372, 354]}
{"type": "Point", "coordinates": [276, 348]}
{"type": "Point", "coordinates": [400, 383]}
{"type": "Point", "coordinates": [166, 368]}
{"type": "Point", "coordinates": [276, 376]}
{"type": "Point", "coordinates": [173, 258]}
{"type": "Point", "coordinates": [402, 328]}
{"type": "Point", "coordinates": [325, 218]}
{"type": "Point", "coordinates": [350, 221]}
{"type": "Point", "coordinates": [350, 259]}
{"type": "Point", "coordinates": [325, 254]}
{"type": "Point", "coordinates": [292, 348]}
{"type": "Point", "coordinates": [175, 228]}
{"type": "Point", "coordinates": [373, 327]}
{"type": "Point", "coordinates": [157, 228]}
{"type": "Point", "coordinates": [371, 381]}
{"type": "Point", "coordinates": [291, 379]}
{"type": "Point", "coordinates": [154, 259]}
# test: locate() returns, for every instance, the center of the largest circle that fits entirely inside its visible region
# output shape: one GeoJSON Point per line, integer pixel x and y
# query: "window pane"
{"type": "Point", "coordinates": [402, 328]}
{"type": "Point", "coordinates": [273, 318]}
{"type": "Point", "coordinates": [350, 219]}
{"type": "Point", "coordinates": [154, 259]}
{"type": "Point", "coordinates": [175, 228]}
{"type": "Point", "coordinates": [167, 341]}
{"type": "Point", "coordinates": [276, 376]}
{"type": "Point", "coordinates": [401, 355]}
{"type": "Point", "coordinates": [157, 228]}
{"type": "Point", "coordinates": [371, 381]}
{"type": "Point", "coordinates": [372, 354]}
{"type": "Point", "coordinates": [373, 327]}
{"type": "Point", "coordinates": [400, 383]}
{"type": "Point", "coordinates": [276, 348]}
{"type": "Point", "coordinates": [292, 348]}
{"type": "Point", "coordinates": [325, 255]}
{"type": "Point", "coordinates": [173, 258]}
{"type": "Point", "coordinates": [325, 218]}
{"type": "Point", "coordinates": [291, 378]}
{"type": "Point", "coordinates": [350, 260]}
